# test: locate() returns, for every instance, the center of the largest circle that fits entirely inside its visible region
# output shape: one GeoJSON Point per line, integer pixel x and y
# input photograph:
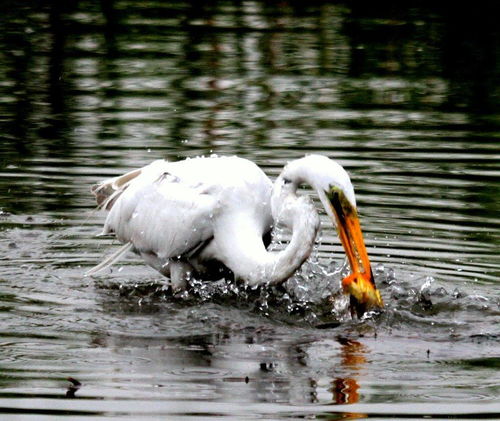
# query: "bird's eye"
{"type": "Point", "coordinates": [286, 181]}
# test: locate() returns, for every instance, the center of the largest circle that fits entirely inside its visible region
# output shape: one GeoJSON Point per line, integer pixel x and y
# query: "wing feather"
{"type": "Point", "coordinates": [160, 213]}
{"type": "Point", "coordinates": [110, 260]}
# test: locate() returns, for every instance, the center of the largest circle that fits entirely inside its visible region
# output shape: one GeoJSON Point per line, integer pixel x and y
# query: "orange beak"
{"type": "Point", "coordinates": [360, 284]}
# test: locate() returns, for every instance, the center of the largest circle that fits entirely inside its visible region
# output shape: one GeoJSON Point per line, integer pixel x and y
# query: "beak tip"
{"type": "Point", "coordinates": [358, 308]}
{"type": "Point", "coordinates": [364, 295]}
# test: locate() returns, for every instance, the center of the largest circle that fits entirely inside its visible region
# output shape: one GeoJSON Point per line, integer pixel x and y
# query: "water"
{"type": "Point", "coordinates": [405, 98]}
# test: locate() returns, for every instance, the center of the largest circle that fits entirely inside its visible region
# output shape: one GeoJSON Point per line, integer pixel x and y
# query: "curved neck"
{"type": "Point", "coordinates": [304, 225]}
{"type": "Point", "coordinates": [243, 251]}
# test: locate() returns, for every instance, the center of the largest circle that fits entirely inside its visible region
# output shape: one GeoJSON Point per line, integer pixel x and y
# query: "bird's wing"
{"type": "Point", "coordinates": [162, 213]}
{"type": "Point", "coordinates": [173, 209]}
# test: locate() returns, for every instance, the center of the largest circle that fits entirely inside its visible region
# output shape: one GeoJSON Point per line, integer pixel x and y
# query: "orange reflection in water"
{"type": "Point", "coordinates": [346, 390]}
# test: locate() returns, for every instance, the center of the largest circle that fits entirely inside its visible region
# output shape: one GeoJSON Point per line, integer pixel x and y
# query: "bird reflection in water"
{"type": "Point", "coordinates": [345, 390]}
{"type": "Point", "coordinates": [255, 364]}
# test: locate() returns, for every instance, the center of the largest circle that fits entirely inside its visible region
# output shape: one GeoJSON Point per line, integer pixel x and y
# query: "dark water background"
{"type": "Point", "coordinates": [405, 96]}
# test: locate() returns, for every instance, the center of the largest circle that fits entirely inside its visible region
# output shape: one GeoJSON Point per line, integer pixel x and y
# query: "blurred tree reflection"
{"type": "Point", "coordinates": [217, 72]}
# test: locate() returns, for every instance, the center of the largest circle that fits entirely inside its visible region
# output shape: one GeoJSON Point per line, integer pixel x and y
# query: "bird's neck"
{"type": "Point", "coordinates": [248, 256]}
{"type": "Point", "coordinates": [303, 220]}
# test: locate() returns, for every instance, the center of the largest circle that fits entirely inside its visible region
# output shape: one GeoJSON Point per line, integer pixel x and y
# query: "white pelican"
{"type": "Point", "coordinates": [202, 216]}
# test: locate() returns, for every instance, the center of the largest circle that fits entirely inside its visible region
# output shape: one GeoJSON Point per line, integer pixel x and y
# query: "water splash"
{"type": "Point", "coordinates": [313, 295]}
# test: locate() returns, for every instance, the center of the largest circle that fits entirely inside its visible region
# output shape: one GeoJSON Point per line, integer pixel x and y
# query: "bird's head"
{"type": "Point", "coordinates": [336, 193]}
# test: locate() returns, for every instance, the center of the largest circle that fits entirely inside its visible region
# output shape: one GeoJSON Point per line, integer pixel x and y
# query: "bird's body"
{"type": "Point", "coordinates": [206, 215]}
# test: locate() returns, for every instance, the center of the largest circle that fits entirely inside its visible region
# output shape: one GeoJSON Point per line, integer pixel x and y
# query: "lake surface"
{"type": "Point", "coordinates": [405, 98]}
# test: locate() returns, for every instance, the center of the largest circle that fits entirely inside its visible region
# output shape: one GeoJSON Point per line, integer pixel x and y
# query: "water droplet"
{"type": "Point", "coordinates": [379, 269]}
{"type": "Point", "coordinates": [391, 275]}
